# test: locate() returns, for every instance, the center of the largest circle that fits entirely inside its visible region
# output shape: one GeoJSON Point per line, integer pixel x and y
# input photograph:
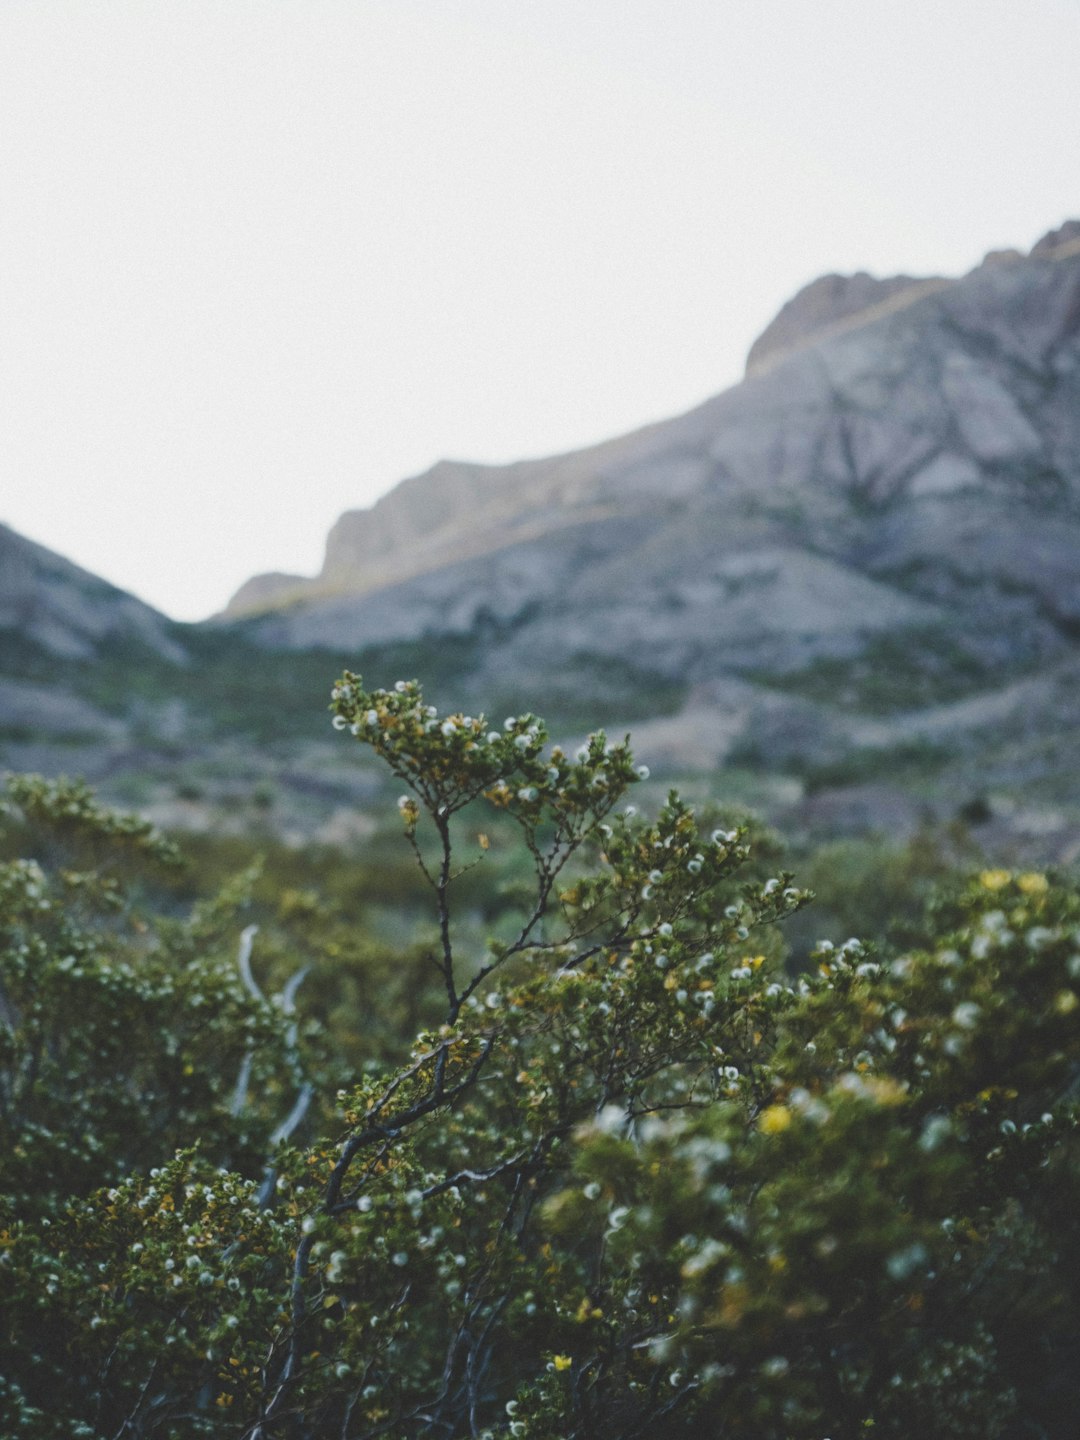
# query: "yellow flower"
{"type": "Point", "coordinates": [994, 879]}
{"type": "Point", "coordinates": [1033, 883]}
{"type": "Point", "coordinates": [561, 1362]}
{"type": "Point", "coordinates": [774, 1119]}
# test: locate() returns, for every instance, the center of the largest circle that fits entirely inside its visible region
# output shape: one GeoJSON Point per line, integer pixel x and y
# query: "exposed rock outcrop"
{"type": "Point", "coordinates": [919, 467]}
{"type": "Point", "coordinates": [829, 304]}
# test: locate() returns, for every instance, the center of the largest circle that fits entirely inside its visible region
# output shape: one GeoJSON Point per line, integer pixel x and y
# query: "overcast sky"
{"type": "Point", "coordinates": [261, 259]}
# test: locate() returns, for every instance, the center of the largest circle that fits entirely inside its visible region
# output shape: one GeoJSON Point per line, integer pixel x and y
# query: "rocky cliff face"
{"type": "Point", "coordinates": [854, 576]}
{"type": "Point", "coordinates": [873, 541]}
{"type": "Point", "coordinates": [918, 466]}
{"type": "Point", "coordinates": [828, 306]}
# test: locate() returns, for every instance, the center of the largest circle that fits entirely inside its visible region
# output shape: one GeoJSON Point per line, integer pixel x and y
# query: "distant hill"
{"type": "Point", "coordinates": [67, 611]}
{"type": "Point", "coordinates": [853, 579]}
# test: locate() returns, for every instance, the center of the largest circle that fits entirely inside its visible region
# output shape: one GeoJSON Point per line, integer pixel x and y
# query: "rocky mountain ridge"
{"type": "Point", "coordinates": [856, 573]}
{"type": "Point", "coordinates": [922, 462]}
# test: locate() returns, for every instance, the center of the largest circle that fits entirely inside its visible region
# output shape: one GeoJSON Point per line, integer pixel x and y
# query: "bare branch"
{"type": "Point", "coordinates": [243, 960]}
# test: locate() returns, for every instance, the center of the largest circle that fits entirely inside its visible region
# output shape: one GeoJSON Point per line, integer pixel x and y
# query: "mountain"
{"type": "Point", "coordinates": [56, 619]}
{"type": "Point", "coordinates": [187, 723]}
{"type": "Point", "coordinates": [851, 580]}
{"type": "Point", "coordinates": [871, 546]}
{"type": "Point", "coordinates": [913, 463]}
{"type": "Point", "coordinates": [68, 611]}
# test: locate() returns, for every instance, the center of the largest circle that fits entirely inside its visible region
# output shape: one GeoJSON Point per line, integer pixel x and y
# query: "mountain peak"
{"type": "Point", "coordinates": [1065, 240]}
{"type": "Point", "coordinates": [830, 304]}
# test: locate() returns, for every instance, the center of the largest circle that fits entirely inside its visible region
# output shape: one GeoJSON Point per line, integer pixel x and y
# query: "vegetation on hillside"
{"type": "Point", "coordinates": [588, 1156]}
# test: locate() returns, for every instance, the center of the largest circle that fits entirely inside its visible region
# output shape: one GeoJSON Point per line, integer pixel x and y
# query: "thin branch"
{"type": "Point", "coordinates": [243, 960]}
{"type": "Point", "coordinates": [442, 825]}
{"type": "Point", "coordinates": [294, 1117]}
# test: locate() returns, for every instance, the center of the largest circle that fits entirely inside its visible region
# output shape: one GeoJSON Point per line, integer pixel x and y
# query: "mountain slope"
{"type": "Point", "coordinates": [862, 560]}
{"type": "Point", "coordinates": [853, 581]}
{"type": "Point", "coordinates": [918, 469]}
{"type": "Point", "coordinates": [49, 602]}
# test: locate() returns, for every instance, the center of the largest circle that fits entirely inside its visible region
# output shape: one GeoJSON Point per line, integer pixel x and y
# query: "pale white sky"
{"type": "Point", "coordinates": [261, 259]}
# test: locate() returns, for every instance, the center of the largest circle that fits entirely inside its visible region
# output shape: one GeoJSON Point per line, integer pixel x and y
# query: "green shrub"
{"type": "Point", "coordinates": [633, 1179]}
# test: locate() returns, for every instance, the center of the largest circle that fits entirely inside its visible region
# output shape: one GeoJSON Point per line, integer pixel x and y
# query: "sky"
{"type": "Point", "coordinates": [262, 259]}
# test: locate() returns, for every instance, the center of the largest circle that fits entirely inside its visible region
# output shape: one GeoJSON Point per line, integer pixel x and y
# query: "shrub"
{"type": "Point", "coordinates": [637, 1180]}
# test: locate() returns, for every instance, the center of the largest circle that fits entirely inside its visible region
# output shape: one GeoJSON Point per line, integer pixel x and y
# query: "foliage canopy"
{"type": "Point", "coordinates": [634, 1178]}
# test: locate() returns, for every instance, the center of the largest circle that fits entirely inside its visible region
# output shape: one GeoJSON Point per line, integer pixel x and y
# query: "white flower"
{"type": "Point", "coordinates": [966, 1014]}
{"type": "Point", "coordinates": [903, 1262]}
{"type": "Point", "coordinates": [339, 722]}
{"type": "Point", "coordinates": [643, 772]}
{"type": "Point", "coordinates": [448, 727]}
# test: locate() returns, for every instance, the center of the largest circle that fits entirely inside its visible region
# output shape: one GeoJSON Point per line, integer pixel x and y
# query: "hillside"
{"type": "Point", "coordinates": [865, 557]}
{"type": "Point", "coordinates": [852, 580]}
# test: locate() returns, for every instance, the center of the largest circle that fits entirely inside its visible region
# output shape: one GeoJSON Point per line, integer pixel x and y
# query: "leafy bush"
{"type": "Point", "coordinates": [635, 1180]}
